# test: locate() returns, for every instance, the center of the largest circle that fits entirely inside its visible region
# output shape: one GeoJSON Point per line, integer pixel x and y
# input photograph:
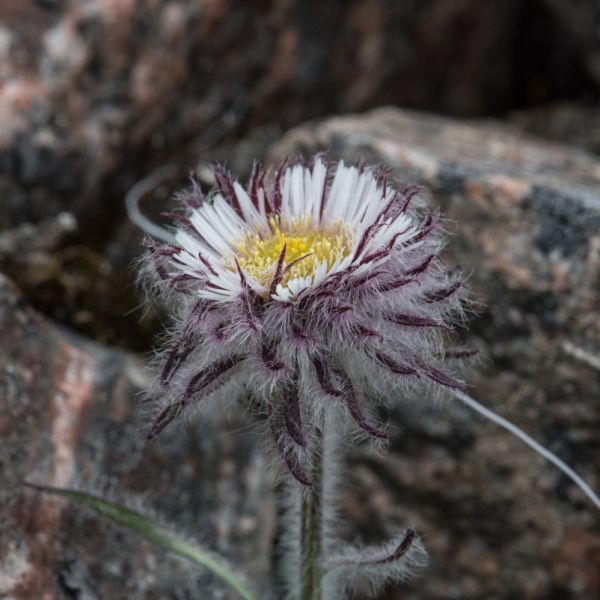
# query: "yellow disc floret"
{"type": "Point", "coordinates": [258, 253]}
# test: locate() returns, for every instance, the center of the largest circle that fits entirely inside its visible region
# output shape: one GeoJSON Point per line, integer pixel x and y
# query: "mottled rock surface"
{"type": "Point", "coordinates": [92, 92]}
{"type": "Point", "coordinates": [525, 219]}
{"type": "Point", "coordinates": [69, 416]}
{"type": "Point", "coordinates": [95, 93]}
{"type": "Point", "coordinates": [575, 124]}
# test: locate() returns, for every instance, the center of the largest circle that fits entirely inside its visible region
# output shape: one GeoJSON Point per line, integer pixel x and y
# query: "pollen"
{"type": "Point", "coordinates": [307, 247]}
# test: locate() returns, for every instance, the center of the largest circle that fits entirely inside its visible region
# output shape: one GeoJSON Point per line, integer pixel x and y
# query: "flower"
{"type": "Point", "coordinates": [318, 289]}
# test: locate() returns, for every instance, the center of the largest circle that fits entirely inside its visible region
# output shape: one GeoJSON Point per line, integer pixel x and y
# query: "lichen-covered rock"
{"type": "Point", "coordinates": [69, 416]}
{"type": "Point", "coordinates": [525, 214]}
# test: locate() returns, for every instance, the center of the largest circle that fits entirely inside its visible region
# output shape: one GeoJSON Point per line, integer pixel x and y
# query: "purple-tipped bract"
{"type": "Point", "coordinates": [318, 289]}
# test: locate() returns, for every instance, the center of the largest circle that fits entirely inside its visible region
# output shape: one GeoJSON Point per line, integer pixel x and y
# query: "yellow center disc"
{"type": "Point", "coordinates": [258, 254]}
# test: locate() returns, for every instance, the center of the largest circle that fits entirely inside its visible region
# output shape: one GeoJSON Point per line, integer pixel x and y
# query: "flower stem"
{"type": "Point", "coordinates": [311, 524]}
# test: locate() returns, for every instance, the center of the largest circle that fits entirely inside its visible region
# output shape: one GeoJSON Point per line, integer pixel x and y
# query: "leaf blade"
{"type": "Point", "coordinates": [138, 523]}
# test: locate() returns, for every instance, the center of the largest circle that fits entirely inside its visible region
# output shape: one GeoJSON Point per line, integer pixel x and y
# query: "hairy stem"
{"type": "Point", "coordinates": [311, 527]}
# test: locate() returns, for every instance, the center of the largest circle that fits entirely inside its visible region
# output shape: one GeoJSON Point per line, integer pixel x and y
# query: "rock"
{"type": "Point", "coordinates": [525, 218]}
{"type": "Point", "coordinates": [92, 94]}
{"type": "Point", "coordinates": [575, 124]}
{"type": "Point", "coordinates": [95, 95]}
{"type": "Point", "coordinates": [75, 283]}
{"type": "Point", "coordinates": [70, 416]}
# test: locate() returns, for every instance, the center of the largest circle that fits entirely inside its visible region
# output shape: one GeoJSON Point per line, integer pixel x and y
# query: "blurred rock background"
{"type": "Point", "coordinates": [96, 94]}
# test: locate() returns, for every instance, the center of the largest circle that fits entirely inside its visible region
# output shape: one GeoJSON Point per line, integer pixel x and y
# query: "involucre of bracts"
{"type": "Point", "coordinates": [319, 288]}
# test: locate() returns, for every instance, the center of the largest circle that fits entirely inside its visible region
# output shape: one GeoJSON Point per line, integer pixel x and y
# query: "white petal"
{"type": "Point", "coordinates": [251, 215]}
{"type": "Point", "coordinates": [225, 219]}
{"type": "Point", "coordinates": [347, 198]}
{"type": "Point", "coordinates": [261, 204]}
{"type": "Point", "coordinates": [316, 193]}
{"type": "Point", "coordinates": [207, 231]}
{"type": "Point", "coordinates": [282, 294]}
{"type": "Point", "coordinates": [286, 194]}
{"type": "Point", "coordinates": [329, 216]}
{"type": "Point", "coordinates": [193, 246]}
{"type": "Point", "coordinates": [297, 189]}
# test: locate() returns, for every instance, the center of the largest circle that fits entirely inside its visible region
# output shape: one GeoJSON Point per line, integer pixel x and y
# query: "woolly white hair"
{"type": "Point", "coordinates": [313, 297]}
{"type": "Point", "coordinates": [319, 288]}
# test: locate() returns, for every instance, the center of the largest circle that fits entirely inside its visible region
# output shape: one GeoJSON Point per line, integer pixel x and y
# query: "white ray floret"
{"type": "Point", "coordinates": [309, 214]}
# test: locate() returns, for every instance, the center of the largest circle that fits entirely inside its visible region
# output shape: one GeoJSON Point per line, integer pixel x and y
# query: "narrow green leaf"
{"type": "Point", "coordinates": [144, 527]}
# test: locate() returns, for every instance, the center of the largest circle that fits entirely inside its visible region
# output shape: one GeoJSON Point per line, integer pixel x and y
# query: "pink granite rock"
{"type": "Point", "coordinates": [69, 416]}
{"type": "Point", "coordinates": [524, 215]}
{"type": "Point", "coordinates": [93, 93]}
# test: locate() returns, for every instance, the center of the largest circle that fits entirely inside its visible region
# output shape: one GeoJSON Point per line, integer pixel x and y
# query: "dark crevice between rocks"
{"type": "Point", "coordinates": [549, 59]}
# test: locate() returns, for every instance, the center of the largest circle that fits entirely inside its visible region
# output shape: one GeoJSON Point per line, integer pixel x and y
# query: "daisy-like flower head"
{"type": "Point", "coordinates": [317, 289]}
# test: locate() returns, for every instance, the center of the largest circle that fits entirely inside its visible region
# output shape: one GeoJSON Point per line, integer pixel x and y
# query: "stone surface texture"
{"type": "Point", "coordinates": [524, 215]}
{"type": "Point", "coordinates": [574, 124]}
{"type": "Point", "coordinates": [95, 94]}
{"type": "Point", "coordinates": [94, 91]}
{"type": "Point", "coordinates": [69, 415]}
